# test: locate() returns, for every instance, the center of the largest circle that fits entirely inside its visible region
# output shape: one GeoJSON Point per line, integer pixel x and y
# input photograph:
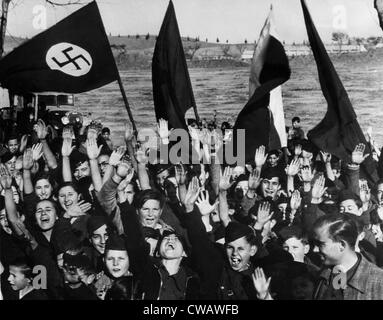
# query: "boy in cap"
{"type": "Point", "coordinates": [228, 276]}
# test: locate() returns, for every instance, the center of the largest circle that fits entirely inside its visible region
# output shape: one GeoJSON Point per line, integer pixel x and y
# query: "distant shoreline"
{"type": "Point", "coordinates": [125, 61]}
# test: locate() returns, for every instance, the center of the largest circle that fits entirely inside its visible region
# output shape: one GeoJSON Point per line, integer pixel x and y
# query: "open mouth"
{"type": "Point", "coordinates": [116, 270]}
{"type": "Point", "coordinates": [235, 262]}
{"type": "Point", "coordinates": [149, 221]}
{"type": "Point", "coordinates": [45, 220]}
{"type": "Point", "coordinates": [170, 246]}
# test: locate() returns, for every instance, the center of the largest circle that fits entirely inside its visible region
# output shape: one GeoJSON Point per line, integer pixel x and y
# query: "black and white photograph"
{"type": "Point", "coordinates": [190, 155]}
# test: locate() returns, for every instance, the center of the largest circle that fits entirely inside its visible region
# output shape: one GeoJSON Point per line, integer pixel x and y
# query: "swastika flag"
{"type": "Point", "coordinates": [72, 56]}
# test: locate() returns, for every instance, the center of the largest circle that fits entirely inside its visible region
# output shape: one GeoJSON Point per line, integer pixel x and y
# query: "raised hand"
{"type": "Point", "coordinates": [5, 177]}
{"type": "Point", "coordinates": [263, 214]}
{"type": "Point", "coordinates": [293, 168]}
{"type": "Point", "coordinates": [67, 148]}
{"type": "Point", "coordinates": [23, 142]}
{"type": "Point", "coordinates": [254, 179]}
{"type": "Point", "coordinates": [203, 204]}
{"type": "Point", "coordinates": [142, 155]}
{"type": "Point", "coordinates": [116, 156]}
{"type": "Point", "coordinates": [298, 150]}
{"type": "Point", "coordinates": [163, 130]}
{"type": "Point", "coordinates": [205, 137]}
{"type": "Point", "coordinates": [180, 174]}
{"type": "Point", "coordinates": [128, 135]}
{"type": "Point", "coordinates": [306, 175]}
{"type": "Point", "coordinates": [357, 156]}
{"type": "Point", "coordinates": [365, 192]}
{"type": "Point", "coordinates": [194, 133]}
{"type": "Point", "coordinates": [79, 209]}
{"type": "Point", "coordinates": [92, 133]}
{"type": "Point", "coordinates": [124, 183]}
{"type": "Point", "coordinates": [318, 189]}
{"type": "Point", "coordinates": [37, 151]}
{"type": "Point", "coordinates": [28, 159]}
{"type": "Point", "coordinates": [67, 133]}
{"type": "Point", "coordinates": [261, 284]}
{"type": "Point", "coordinates": [260, 156]}
{"type": "Point", "coordinates": [92, 149]}
{"type": "Point", "coordinates": [326, 157]}
{"type": "Point", "coordinates": [41, 129]}
{"type": "Point", "coordinates": [295, 201]}
{"type": "Point", "coordinates": [225, 179]}
{"type": "Point", "coordinates": [192, 193]}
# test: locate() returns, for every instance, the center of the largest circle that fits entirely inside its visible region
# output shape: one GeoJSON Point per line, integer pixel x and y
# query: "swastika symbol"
{"type": "Point", "coordinates": [72, 60]}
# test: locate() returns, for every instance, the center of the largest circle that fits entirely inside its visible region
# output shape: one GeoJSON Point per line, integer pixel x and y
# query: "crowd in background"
{"type": "Point", "coordinates": [102, 222]}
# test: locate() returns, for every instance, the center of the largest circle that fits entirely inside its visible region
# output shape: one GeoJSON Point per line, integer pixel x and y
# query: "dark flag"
{"type": "Point", "coordinates": [339, 132]}
{"type": "Point", "coordinates": [172, 90]}
{"type": "Point", "coordinates": [270, 69]}
{"type": "Point", "coordinates": [72, 56]}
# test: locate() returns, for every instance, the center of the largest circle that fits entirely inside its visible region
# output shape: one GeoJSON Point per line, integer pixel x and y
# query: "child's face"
{"type": "Point", "coordinates": [296, 248]}
{"type": "Point", "coordinates": [17, 279]}
{"type": "Point", "coordinates": [117, 263]}
{"type": "Point", "coordinates": [72, 274]}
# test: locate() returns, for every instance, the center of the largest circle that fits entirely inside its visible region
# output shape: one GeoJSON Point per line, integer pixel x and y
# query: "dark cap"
{"type": "Point", "coordinates": [7, 156]}
{"type": "Point", "coordinates": [272, 172]}
{"type": "Point", "coordinates": [149, 232]}
{"type": "Point", "coordinates": [307, 146]}
{"type": "Point", "coordinates": [236, 230]}
{"type": "Point", "coordinates": [167, 233]}
{"type": "Point", "coordinates": [78, 260]}
{"type": "Point", "coordinates": [116, 242]}
{"type": "Point", "coordinates": [95, 222]}
{"type": "Point", "coordinates": [348, 195]}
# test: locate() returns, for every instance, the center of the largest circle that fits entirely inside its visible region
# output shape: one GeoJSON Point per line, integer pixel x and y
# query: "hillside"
{"type": "Point", "coordinates": [135, 52]}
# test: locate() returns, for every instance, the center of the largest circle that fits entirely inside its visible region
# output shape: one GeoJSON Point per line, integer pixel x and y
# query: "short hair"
{"type": "Point", "coordinates": [43, 176]}
{"type": "Point", "coordinates": [53, 203]}
{"type": "Point", "coordinates": [68, 184]}
{"type": "Point", "coordinates": [149, 194]}
{"type": "Point", "coordinates": [296, 232]}
{"type": "Point", "coordinates": [12, 137]}
{"type": "Point", "coordinates": [105, 130]}
{"type": "Point", "coordinates": [24, 265]}
{"type": "Point", "coordinates": [296, 119]}
{"type": "Point", "coordinates": [339, 228]}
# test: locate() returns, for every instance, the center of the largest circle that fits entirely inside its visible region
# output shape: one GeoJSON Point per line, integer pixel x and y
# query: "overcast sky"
{"type": "Point", "coordinates": [232, 20]}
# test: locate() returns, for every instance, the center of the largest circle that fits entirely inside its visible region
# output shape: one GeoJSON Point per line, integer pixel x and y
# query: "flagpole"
{"type": "Point", "coordinates": [126, 101]}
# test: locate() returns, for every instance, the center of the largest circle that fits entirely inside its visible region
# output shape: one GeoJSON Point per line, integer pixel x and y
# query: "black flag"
{"type": "Point", "coordinates": [172, 90]}
{"type": "Point", "coordinates": [270, 69]}
{"type": "Point", "coordinates": [72, 56]}
{"type": "Point", "coordinates": [339, 132]}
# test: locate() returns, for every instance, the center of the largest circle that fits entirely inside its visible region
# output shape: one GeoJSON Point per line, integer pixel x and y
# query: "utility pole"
{"type": "Point", "coordinates": [3, 24]}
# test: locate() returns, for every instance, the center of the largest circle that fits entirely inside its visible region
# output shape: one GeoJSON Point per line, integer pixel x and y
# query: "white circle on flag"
{"type": "Point", "coordinates": [69, 59]}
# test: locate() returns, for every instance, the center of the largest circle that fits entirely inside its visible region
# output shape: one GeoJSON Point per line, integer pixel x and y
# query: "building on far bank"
{"type": "Point", "coordinates": [304, 50]}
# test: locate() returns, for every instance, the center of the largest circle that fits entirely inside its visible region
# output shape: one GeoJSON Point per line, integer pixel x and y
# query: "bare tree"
{"type": "Point", "coordinates": [241, 47]}
{"type": "Point", "coordinates": [4, 15]}
{"type": "Point", "coordinates": [191, 50]}
{"type": "Point", "coordinates": [341, 38]}
{"type": "Point", "coordinates": [225, 49]}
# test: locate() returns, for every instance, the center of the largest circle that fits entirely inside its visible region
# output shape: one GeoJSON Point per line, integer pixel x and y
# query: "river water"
{"type": "Point", "coordinates": [226, 90]}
